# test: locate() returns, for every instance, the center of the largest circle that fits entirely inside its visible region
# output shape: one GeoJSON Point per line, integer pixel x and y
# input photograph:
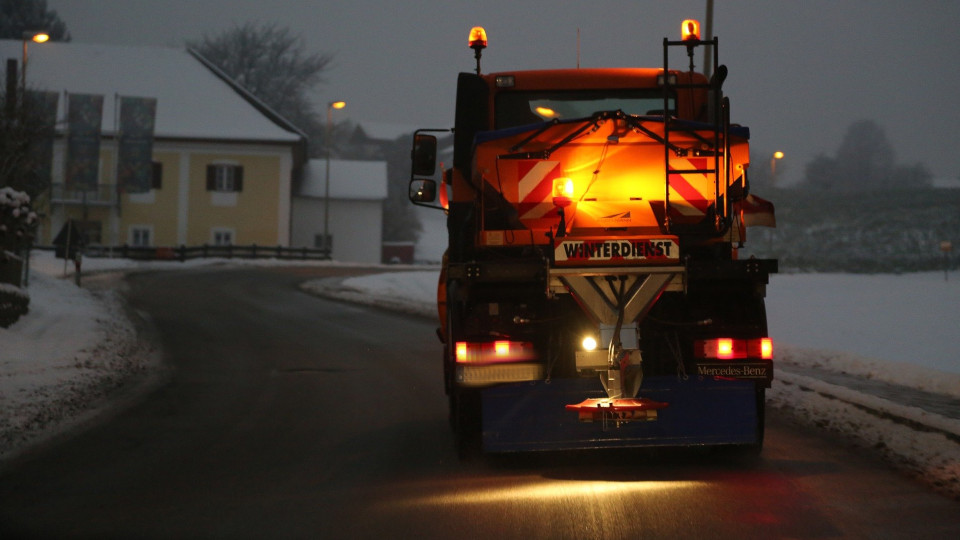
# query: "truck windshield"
{"type": "Point", "coordinates": [523, 108]}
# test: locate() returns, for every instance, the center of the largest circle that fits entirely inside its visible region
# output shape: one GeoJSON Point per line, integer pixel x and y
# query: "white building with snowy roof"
{"type": "Point", "coordinates": [223, 163]}
{"type": "Point", "coordinates": [353, 227]}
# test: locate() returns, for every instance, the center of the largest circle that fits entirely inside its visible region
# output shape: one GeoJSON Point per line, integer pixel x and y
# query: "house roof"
{"type": "Point", "coordinates": [354, 180]}
{"type": "Point", "coordinates": [193, 102]}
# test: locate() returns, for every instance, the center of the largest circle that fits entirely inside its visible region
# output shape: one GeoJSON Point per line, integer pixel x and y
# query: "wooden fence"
{"type": "Point", "coordinates": [184, 253]}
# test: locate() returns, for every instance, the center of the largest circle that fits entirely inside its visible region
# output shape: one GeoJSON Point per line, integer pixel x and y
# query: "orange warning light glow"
{"type": "Point", "coordinates": [545, 112]}
{"type": "Point", "coordinates": [690, 30]}
{"type": "Point", "coordinates": [562, 191]}
{"type": "Point", "coordinates": [478, 38]}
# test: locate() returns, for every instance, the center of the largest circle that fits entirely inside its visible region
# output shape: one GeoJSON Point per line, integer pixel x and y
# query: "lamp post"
{"type": "Point", "coordinates": [37, 36]}
{"type": "Point", "coordinates": [773, 166]}
{"type": "Point", "coordinates": [326, 196]}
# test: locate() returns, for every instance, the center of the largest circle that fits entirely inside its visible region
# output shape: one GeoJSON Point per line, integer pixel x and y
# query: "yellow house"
{"type": "Point", "coordinates": [223, 162]}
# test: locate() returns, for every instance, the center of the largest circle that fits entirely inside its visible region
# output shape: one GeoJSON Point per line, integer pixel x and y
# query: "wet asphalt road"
{"type": "Point", "coordinates": [285, 415]}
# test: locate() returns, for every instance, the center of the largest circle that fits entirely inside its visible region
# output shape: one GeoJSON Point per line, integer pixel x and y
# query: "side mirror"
{"type": "Point", "coordinates": [424, 155]}
{"type": "Point", "coordinates": [422, 191]}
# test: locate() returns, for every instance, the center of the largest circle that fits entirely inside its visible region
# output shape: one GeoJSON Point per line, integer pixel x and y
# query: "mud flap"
{"type": "Point", "coordinates": [533, 416]}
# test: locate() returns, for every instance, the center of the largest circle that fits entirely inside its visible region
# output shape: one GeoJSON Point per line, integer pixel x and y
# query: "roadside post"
{"type": "Point", "coordinates": [69, 244]}
{"type": "Point", "coordinates": [946, 247]}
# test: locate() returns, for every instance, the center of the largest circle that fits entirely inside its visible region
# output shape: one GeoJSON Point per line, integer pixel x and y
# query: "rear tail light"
{"type": "Point", "coordinates": [766, 348]}
{"type": "Point", "coordinates": [493, 352]}
{"type": "Point", "coordinates": [734, 349]}
{"type": "Point", "coordinates": [724, 349]}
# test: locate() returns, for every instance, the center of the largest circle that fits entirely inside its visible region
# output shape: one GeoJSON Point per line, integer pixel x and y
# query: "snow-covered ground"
{"type": "Point", "coordinates": [77, 346]}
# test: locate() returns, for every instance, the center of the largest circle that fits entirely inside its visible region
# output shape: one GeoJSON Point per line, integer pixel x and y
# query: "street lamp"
{"type": "Point", "coordinates": [37, 36]}
{"type": "Point", "coordinates": [326, 197]}
{"type": "Point", "coordinates": [773, 166]}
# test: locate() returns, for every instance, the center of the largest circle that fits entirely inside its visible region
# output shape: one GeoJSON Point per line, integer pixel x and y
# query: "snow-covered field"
{"type": "Point", "coordinates": [77, 346]}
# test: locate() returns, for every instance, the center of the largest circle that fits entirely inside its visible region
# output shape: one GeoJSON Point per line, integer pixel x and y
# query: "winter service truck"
{"type": "Point", "coordinates": [591, 294]}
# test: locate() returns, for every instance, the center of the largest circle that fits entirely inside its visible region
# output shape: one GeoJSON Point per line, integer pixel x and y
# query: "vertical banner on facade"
{"type": "Point", "coordinates": [84, 114]}
{"type": "Point", "coordinates": [135, 149]}
{"type": "Point", "coordinates": [42, 111]}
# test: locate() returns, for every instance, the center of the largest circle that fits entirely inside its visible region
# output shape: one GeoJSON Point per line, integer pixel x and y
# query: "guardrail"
{"type": "Point", "coordinates": [185, 253]}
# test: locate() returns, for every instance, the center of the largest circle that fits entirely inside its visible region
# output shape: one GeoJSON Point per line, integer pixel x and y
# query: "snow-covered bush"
{"type": "Point", "coordinates": [17, 219]}
{"type": "Point", "coordinates": [14, 302]}
{"type": "Point", "coordinates": [17, 224]}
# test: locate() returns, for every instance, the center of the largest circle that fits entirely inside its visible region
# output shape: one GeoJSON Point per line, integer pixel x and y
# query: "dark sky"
{"type": "Point", "coordinates": [801, 71]}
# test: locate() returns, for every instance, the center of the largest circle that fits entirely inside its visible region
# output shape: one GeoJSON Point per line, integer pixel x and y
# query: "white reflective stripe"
{"type": "Point", "coordinates": [539, 211]}
{"type": "Point", "coordinates": [534, 176]}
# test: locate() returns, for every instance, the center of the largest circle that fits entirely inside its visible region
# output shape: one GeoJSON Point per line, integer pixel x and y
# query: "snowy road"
{"type": "Point", "coordinates": [287, 415]}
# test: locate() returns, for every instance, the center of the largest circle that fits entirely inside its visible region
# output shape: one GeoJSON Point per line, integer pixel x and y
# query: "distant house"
{"type": "Point", "coordinates": [357, 191]}
{"type": "Point", "coordinates": [224, 163]}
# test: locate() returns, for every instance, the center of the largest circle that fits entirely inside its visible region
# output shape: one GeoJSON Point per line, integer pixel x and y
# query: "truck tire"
{"type": "Point", "coordinates": [466, 419]}
{"type": "Point", "coordinates": [757, 447]}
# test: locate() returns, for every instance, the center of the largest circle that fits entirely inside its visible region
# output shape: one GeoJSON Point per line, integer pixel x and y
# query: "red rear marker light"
{"type": "Point", "coordinates": [725, 348]}
{"type": "Point", "coordinates": [493, 352]}
{"type": "Point", "coordinates": [734, 349]}
{"type": "Point", "coordinates": [766, 348]}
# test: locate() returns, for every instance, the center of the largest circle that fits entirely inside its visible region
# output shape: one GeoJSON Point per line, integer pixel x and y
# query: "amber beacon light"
{"type": "Point", "coordinates": [478, 42]}
{"type": "Point", "coordinates": [478, 38]}
{"type": "Point", "coordinates": [690, 30]}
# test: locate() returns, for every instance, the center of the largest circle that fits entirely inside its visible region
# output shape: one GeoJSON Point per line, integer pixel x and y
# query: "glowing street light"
{"type": "Point", "coordinates": [326, 197]}
{"type": "Point", "coordinates": [37, 36]}
{"type": "Point", "coordinates": [773, 166]}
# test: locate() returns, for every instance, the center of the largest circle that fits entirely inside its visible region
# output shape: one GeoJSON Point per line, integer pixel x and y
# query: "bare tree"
{"type": "Point", "coordinates": [22, 124]}
{"type": "Point", "coordinates": [864, 162]}
{"type": "Point", "coordinates": [19, 16]}
{"type": "Point", "coordinates": [271, 63]}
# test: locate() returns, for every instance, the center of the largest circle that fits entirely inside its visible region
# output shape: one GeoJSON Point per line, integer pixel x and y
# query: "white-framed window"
{"type": "Point", "coordinates": [141, 235]}
{"type": "Point", "coordinates": [222, 236]}
{"type": "Point", "coordinates": [225, 177]}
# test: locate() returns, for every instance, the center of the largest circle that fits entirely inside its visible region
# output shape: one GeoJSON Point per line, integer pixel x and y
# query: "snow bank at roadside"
{"type": "Point", "coordinates": [413, 292]}
{"type": "Point", "coordinates": [73, 349]}
{"type": "Point", "coordinates": [77, 349]}
{"type": "Point", "coordinates": [924, 444]}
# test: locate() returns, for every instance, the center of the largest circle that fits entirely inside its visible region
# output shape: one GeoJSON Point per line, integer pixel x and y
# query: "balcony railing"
{"type": "Point", "coordinates": [101, 195]}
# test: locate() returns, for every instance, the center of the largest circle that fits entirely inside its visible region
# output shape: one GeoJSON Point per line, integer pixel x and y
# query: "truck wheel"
{"type": "Point", "coordinates": [754, 449]}
{"type": "Point", "coordinates": [465, 417]}
{"type": "Point", "coordinates": [757, 447]}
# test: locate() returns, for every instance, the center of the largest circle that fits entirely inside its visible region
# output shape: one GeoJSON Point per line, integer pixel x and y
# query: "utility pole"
{"type": "Point", "coordinates": [708, 35]}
